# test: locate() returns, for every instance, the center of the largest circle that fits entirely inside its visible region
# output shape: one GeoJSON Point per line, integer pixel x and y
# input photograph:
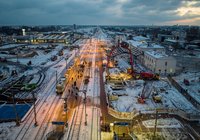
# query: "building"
{"type": "Point", "coordinates": [140, 38]}
{"type": "Point", "coordinates": [35, 39]}
{"type": "Point", "coordinates": [179, 35]}
{"type": "Point", "coordinates": [52, 38]}
{"type": "Point", "coordinates": [152, 56]}
{"type": "Point", "coordinates": [23, 32]}
{"type": "Point", "coordinates": [162, 37]}
{"type": "Point", "coordinates": [159, 62]}
{"type": "Point", "coordinates": [175, 43]}
{"type": "Point", "coordinates": [139, 47]}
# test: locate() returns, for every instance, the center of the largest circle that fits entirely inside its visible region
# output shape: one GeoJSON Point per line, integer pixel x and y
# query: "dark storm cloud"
{"type": "Point", "coordinates": [120, 12]}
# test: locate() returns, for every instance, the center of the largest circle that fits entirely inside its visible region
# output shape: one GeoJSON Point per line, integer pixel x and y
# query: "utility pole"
{"type": "Point", "coordinates": [34, 107]}
{"type": "Point", "coordinates": [56, 77]}
{"type": "Point", "coordinates": [17, 55]}
{"type": "Point", "coordinates": [85, 107]}
{"type": "Point", "coordinates": [66, 109]}
{"type": "Point", "coordinates": [155, 127]}
{"type": "Point", "coordinates": [15, 110]}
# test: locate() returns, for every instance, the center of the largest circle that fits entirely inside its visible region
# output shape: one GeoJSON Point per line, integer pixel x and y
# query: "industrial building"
{"type": "Point", "coordinates": [50, 38]}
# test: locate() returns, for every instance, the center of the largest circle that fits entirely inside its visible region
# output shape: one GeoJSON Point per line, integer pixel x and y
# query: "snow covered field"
{"type": "Point", "coordinates": [40, 59]}
{"type": "Point", "coordinates": [171, 98]}
{"type": "Point", "coordinates": [194, 83]}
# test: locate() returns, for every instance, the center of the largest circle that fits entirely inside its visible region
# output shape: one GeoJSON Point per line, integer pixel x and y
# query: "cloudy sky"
{"type": "Point", "coordinates": [99, 12]}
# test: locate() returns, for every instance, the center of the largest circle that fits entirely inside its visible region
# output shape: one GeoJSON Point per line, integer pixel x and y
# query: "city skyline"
{"type": "Point", "coordinates": [100, 12]}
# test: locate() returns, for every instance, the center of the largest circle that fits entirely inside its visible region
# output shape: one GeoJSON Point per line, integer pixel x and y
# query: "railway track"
{"type": "Point", "coordinates": [30, 120]}
{"type": "Point", "coordinates": [95, 112]}
{"type": "Point", "coordinates": [41, 104]}
{"type": "Point", "coordinates": [77, 120]}
{"type": "Point", "coordinates": [40, 134]}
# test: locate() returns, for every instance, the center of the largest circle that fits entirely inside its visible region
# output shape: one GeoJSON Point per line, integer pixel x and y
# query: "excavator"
{"type": "Point", "coordinates": [135, 75]}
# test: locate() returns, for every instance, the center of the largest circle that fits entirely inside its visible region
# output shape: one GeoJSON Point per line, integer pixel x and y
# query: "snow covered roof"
{"type": "Point", "coordinates": [144, 44]}
{"type": "Point", "coordinates": [140, 38]}
{"type": "Point", "coordinates": [53, 37]}
{"type": "Point", "coordinates": [156, 54]}
{"type": "Point", "coordinates": [171, 40]}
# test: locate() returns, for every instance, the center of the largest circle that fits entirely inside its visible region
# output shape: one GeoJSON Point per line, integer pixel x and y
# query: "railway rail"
{"type": "Point", "coordinates": [29, 121]}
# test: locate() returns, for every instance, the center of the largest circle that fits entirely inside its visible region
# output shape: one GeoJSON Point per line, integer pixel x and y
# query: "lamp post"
{"type": "Point", "coordinates": [85, 107]}
{"type": "Point", "coordinates": [66, 110]}
{"type": "Point", "coordinates": [56, 77]}
{"type": "Point", "coordinates": [155, 127]}
{"type": "Point", "coordinates": [84, 92]}
{"type": "Point", "coordinates": [34, 107]}
{"type": "Point", "coordinates": [15, 110]}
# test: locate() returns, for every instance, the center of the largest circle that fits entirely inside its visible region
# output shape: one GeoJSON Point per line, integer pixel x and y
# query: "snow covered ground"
{"type": "Point", "coordinates": [41, 58]}
{"type": "Point", "coordinates": [6, 130]}
{"type": "Point", "coordinates": [171, 98]}
{"type": "Point", "coordinates": [194, 87]}
{"type": "Point", "coordinates": [9, 46]}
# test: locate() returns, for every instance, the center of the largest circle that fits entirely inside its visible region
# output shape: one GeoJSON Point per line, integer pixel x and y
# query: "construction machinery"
{"type": "Point", "coordinates": [156, 96]}
{"type": "Point", "coordinates": [141, 97]}
{"type": "Point", "coordinates": [149, 76]}
{"type": "Point", "coordinates": [121, 48]}
{"type": "Point", "coordinates": [186, 82]}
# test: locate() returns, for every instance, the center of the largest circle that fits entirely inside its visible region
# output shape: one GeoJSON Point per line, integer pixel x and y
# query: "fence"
{"type": "Point", "coordinates": [122, 115]}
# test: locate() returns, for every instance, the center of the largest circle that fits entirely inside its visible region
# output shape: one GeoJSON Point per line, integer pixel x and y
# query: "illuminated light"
{"type": "Point", "coordinates": [111, 124]}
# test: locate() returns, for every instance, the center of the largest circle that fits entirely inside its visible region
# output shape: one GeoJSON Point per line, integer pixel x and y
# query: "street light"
{"type": "Point", "coordinates": [33, 94]}
{"type": "Point", "coordinates": [84, 92]}
{"type": "Point", "coordinates": [155, 127]}
{"type": "Point", "coordinates": [15, 110]}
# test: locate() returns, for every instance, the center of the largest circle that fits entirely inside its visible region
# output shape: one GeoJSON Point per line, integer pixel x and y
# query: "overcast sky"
{"type": "Point", "coordinates": [99, 12]}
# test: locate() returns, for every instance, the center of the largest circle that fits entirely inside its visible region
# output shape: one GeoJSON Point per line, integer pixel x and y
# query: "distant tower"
{"type": "Point", "coordinates": [23, 32]}
{"type": "Point", "coordinates": [74, 27]}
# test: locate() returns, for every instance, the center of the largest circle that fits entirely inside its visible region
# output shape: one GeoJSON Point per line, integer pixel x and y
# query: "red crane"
{"type": "Point", "coordinates": [121, 48]}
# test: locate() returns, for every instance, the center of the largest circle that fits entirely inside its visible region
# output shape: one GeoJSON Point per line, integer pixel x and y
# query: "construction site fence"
{"type": "Point", "coordinates": [195, 116]}
{"type": "Point", "coordinates": [131, 115]}
{"type": "Point", "coordinates": [122, 115]}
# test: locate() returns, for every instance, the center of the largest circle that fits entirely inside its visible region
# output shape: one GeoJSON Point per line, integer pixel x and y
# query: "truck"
{"type": "Point", "coordinates": [143, 75]}
{"type": "Point", "coordinates": [149, 76]}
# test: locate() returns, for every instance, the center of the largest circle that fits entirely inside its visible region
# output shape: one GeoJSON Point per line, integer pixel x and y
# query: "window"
{"type": "Point", "coordinates": [165, 63]}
